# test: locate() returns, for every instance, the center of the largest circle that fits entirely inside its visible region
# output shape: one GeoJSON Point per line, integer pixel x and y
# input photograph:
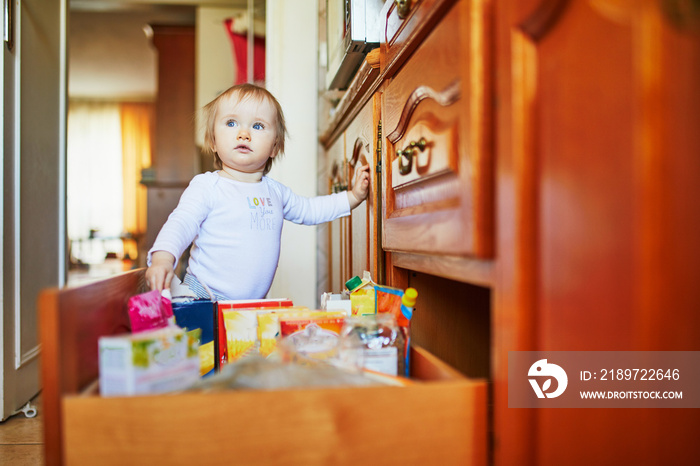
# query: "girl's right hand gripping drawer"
{"type": "Point", "coordinates": [438, 164]}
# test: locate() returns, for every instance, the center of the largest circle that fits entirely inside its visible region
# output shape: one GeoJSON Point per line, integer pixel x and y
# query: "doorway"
{"type": "Point", "coordinates": [112, 89]}
{"type": "Point", "coordinates": [117, 193]}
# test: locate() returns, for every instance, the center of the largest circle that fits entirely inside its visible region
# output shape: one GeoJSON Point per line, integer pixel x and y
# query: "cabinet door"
{"type": "Point", "coordinates": [337, 242]}
{"type": "Point", "coordinates": [599, 212]}
{"type": "Point", "coordinates": [360, 142]}
{"type": "Point", "coordinates": [437, 170]}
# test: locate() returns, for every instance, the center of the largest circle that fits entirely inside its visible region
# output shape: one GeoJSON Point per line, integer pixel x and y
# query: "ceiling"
{"type": "Point", "coordinates": [109, 55]}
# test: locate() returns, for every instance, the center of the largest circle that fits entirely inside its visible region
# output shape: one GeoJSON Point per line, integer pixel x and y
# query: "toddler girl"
{"type": "Point", "coordinates": [233, 217]}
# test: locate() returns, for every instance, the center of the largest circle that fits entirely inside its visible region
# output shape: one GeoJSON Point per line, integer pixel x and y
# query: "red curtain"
{"type": "Point", "coordinates": [239, 44]}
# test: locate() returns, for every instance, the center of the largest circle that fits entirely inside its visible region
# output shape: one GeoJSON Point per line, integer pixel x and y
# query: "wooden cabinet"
{"type": "Point", "coordinates": [554, 203]}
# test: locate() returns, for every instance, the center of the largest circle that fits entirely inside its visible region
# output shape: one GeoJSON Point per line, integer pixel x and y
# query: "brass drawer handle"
{"type": "Point", "coordinates": [403, 8]}
{"type": "Point", "coordinates": [406, 155]}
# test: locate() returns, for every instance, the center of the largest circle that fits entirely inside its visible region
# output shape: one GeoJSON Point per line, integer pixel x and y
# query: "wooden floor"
{"type": "Point", "coordinates": [22, 439]}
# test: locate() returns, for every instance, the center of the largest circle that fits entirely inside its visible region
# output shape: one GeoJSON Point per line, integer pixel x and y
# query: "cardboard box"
{"type": "Point", "coordinates": [295, 322]}
{"type": "Point", "coordinates": [222, 354]}
{"type": "Point", "coordinates": [149, 362]}
{"type": "Point", "coordinates": [254, 331]}
{"type": "Point", "coordinates": [201, 314]}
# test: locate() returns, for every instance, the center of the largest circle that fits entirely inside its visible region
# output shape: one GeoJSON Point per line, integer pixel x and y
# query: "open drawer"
{"type": "Point", "coordinates": [439, 420]}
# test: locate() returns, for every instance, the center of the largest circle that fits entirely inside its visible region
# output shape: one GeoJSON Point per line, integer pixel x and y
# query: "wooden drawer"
{"type": "Point", "coordinates": [439, 420]}
{"type": "Point", "coordinates": [405, 26]}
{"type": "Point", "coordinates": [437, 159]}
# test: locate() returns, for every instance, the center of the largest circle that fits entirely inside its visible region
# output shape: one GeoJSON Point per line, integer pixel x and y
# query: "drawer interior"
{"type": "Point", "coordinates": [440, 418]}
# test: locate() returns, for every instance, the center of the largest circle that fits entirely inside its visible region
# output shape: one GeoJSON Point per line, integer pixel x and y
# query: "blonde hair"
{"type": "Point", "coordinates": [243, 91]}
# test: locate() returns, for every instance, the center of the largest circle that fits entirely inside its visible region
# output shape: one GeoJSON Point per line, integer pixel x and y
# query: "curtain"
{"type": "Point", "coordinates": [94, 180]}
{"type": "Point", "coordinates": [137, 131]}
{"type": "Point", "coordinates": [239, 44]}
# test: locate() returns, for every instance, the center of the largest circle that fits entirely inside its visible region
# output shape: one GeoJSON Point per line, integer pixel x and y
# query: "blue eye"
{"type": "Point", "coordinates": [231, 123]}
{"type": "Point", "coordinates": [258, 126]}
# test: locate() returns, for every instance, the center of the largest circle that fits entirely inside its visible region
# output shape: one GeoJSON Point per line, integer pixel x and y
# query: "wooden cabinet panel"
{"type": "Point", "coordinates": [338, 181]}
{"type": "Point", "coordinates": [354, 245]}
{"type": "Point", "coordinates": [598, 187]}
{"type": "Point", "coordinates": [437, 169]}
{"type": "Point", "coordinates": [175, 155]}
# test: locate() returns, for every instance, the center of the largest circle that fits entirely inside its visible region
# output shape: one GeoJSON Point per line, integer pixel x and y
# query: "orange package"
{"type": "Point", "coordinates": [295, 322]}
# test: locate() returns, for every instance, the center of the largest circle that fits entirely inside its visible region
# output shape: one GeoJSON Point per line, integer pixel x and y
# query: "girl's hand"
{"type": "Point", "coordinates": [360, 187]}
{"type": "Point", "coordinates": [161, 272]}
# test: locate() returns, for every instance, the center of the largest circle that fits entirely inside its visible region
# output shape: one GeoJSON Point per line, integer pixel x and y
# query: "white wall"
{"type": "Point", "coordinates": [291, 75]}
{"type": "Point", "coordinates": [215, 66]}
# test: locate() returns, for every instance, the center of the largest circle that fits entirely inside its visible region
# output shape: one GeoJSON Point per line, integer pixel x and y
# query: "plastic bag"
{"type": "Point", "coordinates": [149, 311]}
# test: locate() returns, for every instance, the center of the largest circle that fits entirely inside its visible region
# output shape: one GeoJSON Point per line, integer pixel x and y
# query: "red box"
{"type": "Point", "coordinates": [241, 304]}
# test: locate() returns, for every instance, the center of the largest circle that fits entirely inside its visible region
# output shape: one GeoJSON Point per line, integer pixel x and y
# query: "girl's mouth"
{"type": "Point", "coordinates": [242, 148]}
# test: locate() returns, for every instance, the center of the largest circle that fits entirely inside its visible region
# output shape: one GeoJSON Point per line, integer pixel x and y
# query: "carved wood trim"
{"type": "Point", "coordinates": [447, 97]}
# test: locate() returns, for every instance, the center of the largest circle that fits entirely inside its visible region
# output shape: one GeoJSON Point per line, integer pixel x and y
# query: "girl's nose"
{"type": "Point", "coordinates": [243, 134]}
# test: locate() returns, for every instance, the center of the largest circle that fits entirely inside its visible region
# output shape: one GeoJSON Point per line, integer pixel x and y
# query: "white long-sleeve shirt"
{"type": "Point", "coordinates": [235, 229]}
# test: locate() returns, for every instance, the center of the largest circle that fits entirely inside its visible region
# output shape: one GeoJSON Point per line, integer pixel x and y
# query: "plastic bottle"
{"type": "Point", "coordinates": [408, 300]}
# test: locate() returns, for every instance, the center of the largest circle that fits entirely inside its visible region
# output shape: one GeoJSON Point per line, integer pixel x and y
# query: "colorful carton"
{"type": "Point", "coordinates": [200, 314]}
{"type": "Point", "coordinates": [253, 331]}
{"type": "Point", "coordinates": [153, 361]}
{"type": "Point", "coordinates": [297, 321]}
{"type": "Point", "coordinates": [222, 354]}
{"type": "Point", "coordinates": [362, 295]}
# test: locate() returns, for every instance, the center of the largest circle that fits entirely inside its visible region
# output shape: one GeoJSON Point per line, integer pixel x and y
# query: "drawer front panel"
{"type": "Point", "coordinates": [438, 169]}
{"type": "Point", "coordinates": [441, 420]}
{"type": "Point", "coordinates": [423, 108]}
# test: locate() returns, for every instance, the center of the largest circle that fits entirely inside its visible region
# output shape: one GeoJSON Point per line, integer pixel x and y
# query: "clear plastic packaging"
{"type": "Point", "coordinates": [259, 373]}
{"type": "Point", "coordinates": [315, 344]}
{"type": "Point", "coordinates": [379, 339]}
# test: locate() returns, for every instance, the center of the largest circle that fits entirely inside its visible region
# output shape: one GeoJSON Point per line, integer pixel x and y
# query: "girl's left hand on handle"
{"type": "Point", "coordinates": [360, 188]}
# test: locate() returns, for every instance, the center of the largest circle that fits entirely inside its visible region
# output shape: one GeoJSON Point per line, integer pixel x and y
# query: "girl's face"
{"type": "Point", "coordinates": [244, 133]}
